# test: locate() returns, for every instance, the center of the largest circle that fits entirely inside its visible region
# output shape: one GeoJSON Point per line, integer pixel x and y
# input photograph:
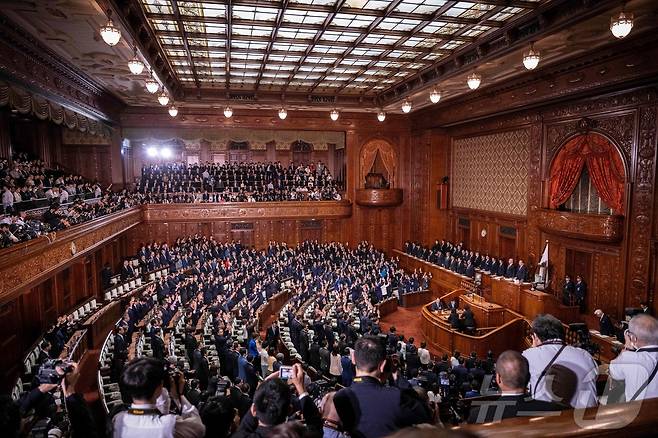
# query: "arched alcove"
{"type": "Point", "coordinates": [378, 157]}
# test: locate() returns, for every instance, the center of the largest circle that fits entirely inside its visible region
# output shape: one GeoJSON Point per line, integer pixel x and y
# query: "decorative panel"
{"type": "Point", "coordinates": [490, 172]}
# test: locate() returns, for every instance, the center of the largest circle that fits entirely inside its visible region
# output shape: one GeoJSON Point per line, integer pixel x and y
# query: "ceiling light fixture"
{"type": "Point", "coordinates": [135, 65]}
{"type": "Point", "coordinates": [228, 111]}
{"type": "Point", "coordinates": [334, 114]}
{"type": "Point", "coordinates": [621, 25]}
{"type": "Point", "coordinates": [165, 153]}
{"type": "Point", "coordinates": [406, 106]}
{"type": "Point", "coordinates": [283, 113]}
{"type": "Point", "coordinates": [474, 81]}
{"type": "Point", "coordinates": [152, 152]}
{"type": "Point", "coordinates": [381, 116]}
{"type": "Point", "coordinates": [173, 111]}
{"type": "Point", "coordinates": [110, 34]}
{"type": "Point", "coordinates": [531, 58]}
{"type": "Point", "coordinates": [152, 85]}
{"type": "Point", "coordinates": [435, 95]}
{"type": "Point", "coordinates": [163, 98]}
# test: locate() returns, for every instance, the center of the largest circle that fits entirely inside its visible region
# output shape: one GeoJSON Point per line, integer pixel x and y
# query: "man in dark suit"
{"type": "Point", "coordinates": [201, 367]}
{"type": "Point", "coordinates": [127, 271]}
{"type": "Point", "coordinates": [645, 308]}
{"type": "Point", "coordinates": [470, 270]}
{"type": "Point", "coordinates": [568, 291]}
{"type": "Point", "coordinates": [522, 272]}
{"type": "Point", "coordinates": [468, 320]}
{"type": "Point", "coordinates": [106, 275]}
{"type": "Point", "coordinates": [272, 334]}
{"type": "Point", "coordinates": [606, 327]}
{"type": "Point", "coordinates": [370, 409]}
{"type": "Point", "coordinates": [510, 271]}
{"type": "Point", "coordinates": [581, 292]}
{"type": "Point", "coordinates": [512, 376]}
{"type": "Point", "coordinates": [158, 345]}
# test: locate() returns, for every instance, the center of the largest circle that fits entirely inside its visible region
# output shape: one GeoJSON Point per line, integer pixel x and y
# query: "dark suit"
{"type": "Point", "coordinates": [510, 272]}
{"type": "Point", "coordinates": [606, 326]}
{"type": "Point", "coordinates": [512, 406]}
{"type": "Point", "coordinates": [158, 347]}
{"type": "Point", "coordinates": [371, 410]}
{"type": "Point", "coordinates": [522, 273]}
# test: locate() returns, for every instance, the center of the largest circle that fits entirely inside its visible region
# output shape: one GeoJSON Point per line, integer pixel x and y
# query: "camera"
{"type": "Point", "coordinates": [48, 373]}
{"type": "Point", "coordinates": [222, 386]}
{"type": "Point", "coordinates": [285, 372]}
{"type": "Point", "coordinates": [173, 376]}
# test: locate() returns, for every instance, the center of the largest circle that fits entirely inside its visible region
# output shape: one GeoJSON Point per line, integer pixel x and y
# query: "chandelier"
{"type": "Point", "coordinates": [228, 111]}
{"type": "Point", "coordinates": [173, 111]}
{"type": "Point", "coordinates": [381, 116]}
{"type": "Point", "coordinates": [135, 65]}
{"type": "Point", "coordinates": [474, 81]}
{"type": "Point", "coordinates": [334, 114]}
{"type": "Point", "coordinates": [283, 113]}
{"type": "Point", "coordinates": [531, 58]}
{"type": "Point", "coordinates": [621, 25]}
{"type": "Point", "coordinates": [435, 95]}
{"type": "Point", "coordinates": [110, 34]}
{"type": "Point", "coordinates": [163, 98]}
{"type": "Point", "coordinates": [152, 85]}
{"type": "Point", "coordinates": [406, 106]}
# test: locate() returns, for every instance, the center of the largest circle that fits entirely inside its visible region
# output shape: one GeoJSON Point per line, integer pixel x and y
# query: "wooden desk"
{"type": "Point", "coordinates": [387, 306]}
{"type": "Point", "coordinates": [606, 345]}
{"type": "Point", "coordinates": [440, 336]}
{"type": "Point", "coordinates": [486, 314]}
{"type": "Point", "coordinates": [414, 299]}
{"type": "Point", "coordinates": [100, 323]}
{"type": "Point", "coordinates": [443, 280]}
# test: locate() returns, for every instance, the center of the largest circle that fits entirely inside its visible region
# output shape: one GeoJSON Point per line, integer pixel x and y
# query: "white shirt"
{"type": "Point", "coordinates": [454, 362]}
{"type": "Point", "coordinates": [575, 359]}
{"type": "Point", "coordinates": [335, 367]}
{"type": "Point", "coordinates": [634, 368]}
{"type": "Point", "coordinates": [424, 356]}
{"type": "Point", "coordinates": [7, 198]}
{"type": "Point", "coordinates": [186, 425]}
{"type": "Point", "coordinates": [63, 197]}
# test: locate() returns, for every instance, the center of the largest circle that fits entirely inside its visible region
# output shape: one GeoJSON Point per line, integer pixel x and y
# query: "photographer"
{"type": "Point", "coordinates": [53, 374]}
{"type": "Point", "coordinates": [370, 409]}
{"type": "Point", "coordinates": [272, 405]}
{"type": "Point", "coordinates": [143, 380]}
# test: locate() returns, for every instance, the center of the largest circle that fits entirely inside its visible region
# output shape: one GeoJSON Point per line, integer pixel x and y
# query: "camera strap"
{"type": "Point", "coordinates": [151, 411]}
{"type": "Point", "coordinates": [543, 373]}
{"type": "Point", "coordinates": [651, 376]}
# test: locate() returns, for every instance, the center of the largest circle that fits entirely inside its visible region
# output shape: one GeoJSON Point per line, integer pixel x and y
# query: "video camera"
{"type": "Point", "coordinates": [48, 373]}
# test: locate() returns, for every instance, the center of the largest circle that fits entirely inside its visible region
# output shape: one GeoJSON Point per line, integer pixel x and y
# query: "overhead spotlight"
{"type": "Point", "coordinates": [173, 111]}
{"type": "Point", "coordinates": [165, 153]}
{"type": "Point", "coordinates": [163, 98]}
{"type": "Point", "coordinates": [283, 113]}
{"type": "Point", "coordinates": [406, 106]}
{"type": "Point", "coordinates": [228, 111]}
{"type": "Point", "coordinates": [135, 65]}
{"type": "Point", "coordinates": [435, 95]}
{"type": "Point", "coordinates": [152, 152]}
{"type": "Point", "coordinates": [474, 81]}
{"type": "Point", "coordinates": [621, 25]}
{"type": "Point", "coordinates": [110, 34]}
{"type": "Point", "coordinates": [381, 116]}
{"type": "Point", "coordinates": [334, 114]}
{"type": "Point", "coordinates": [531, 58]}
{"type": "Point", "coordinates": [152, 85]}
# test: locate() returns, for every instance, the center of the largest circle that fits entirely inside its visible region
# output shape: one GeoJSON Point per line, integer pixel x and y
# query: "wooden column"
{"type": "Point", "coordinates": [5, 138]}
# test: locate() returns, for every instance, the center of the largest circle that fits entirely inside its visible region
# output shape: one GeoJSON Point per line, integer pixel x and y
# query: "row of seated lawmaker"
{"type": "Point", "coordinates": [233, 182]}
{"type": "Point", "coordinates": [390, 374]}
{"type": "Point", "coordinates": [459, 259]}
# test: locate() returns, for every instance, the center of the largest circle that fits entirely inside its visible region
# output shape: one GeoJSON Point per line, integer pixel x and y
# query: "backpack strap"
{"type": "Point", "coordinates": [543, 373]}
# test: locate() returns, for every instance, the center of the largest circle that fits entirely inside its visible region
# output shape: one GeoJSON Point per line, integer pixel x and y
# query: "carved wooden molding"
{"type": "Point", "coordinates": [244, 211]}
{"type": "Point", "coordinates": [379, 197]}
{"type": "Point", "coordinates": [594, 227]}
{"type": "Point", "coordinates": [29, 263]}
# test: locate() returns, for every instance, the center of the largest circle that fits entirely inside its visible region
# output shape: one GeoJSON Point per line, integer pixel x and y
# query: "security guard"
{"type": "Point", "coordinates": [368, 408]}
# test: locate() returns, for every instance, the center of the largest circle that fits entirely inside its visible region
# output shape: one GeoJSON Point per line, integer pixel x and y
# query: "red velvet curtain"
{"type": "Point", "coordinates": [603, 162]}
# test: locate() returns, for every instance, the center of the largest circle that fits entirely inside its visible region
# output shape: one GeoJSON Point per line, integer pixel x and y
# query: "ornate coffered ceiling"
{"type": "Point", "coordinates": [316, 54]}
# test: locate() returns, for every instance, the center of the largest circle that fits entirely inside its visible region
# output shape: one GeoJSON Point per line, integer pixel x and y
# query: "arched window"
{"type": "Point", "coordinates": [604, 168]}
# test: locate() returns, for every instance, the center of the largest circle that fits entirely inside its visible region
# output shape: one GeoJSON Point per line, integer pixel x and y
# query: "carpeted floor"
{"type": "Point", "coordinates": [407, 322]}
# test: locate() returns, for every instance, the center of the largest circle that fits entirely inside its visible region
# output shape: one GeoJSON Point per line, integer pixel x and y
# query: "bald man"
{"type": "Point", "coordinates": [637, 365]}
{"type": "Point", "coordinates": [512, 377]}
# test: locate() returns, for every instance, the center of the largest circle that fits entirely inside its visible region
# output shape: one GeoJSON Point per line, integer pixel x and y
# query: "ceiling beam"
{"type": "Point", "coordinates": [229, 33]}
{"type": "Point", "coordinates": [271, 40]}
{"type": "Point", "coordinates": [181, 29]}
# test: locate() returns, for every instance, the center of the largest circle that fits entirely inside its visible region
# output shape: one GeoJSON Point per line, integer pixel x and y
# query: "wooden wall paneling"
{"type": "Point", "coordinates": [11, 341]}
{"type": "Point", "coordinates": [5, 136]}
{"type": "Point", "coordinates": [439, 167]}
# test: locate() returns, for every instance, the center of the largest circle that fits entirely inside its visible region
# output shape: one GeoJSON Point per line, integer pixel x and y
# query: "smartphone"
{"type": "Point", "coordinates": [285, 372]}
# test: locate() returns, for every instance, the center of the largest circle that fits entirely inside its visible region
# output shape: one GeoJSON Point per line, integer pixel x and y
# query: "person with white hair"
{"type": "Point", "coordinates": [606, 327]}
{"type": "Point", "coordinates": [637, 365]}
